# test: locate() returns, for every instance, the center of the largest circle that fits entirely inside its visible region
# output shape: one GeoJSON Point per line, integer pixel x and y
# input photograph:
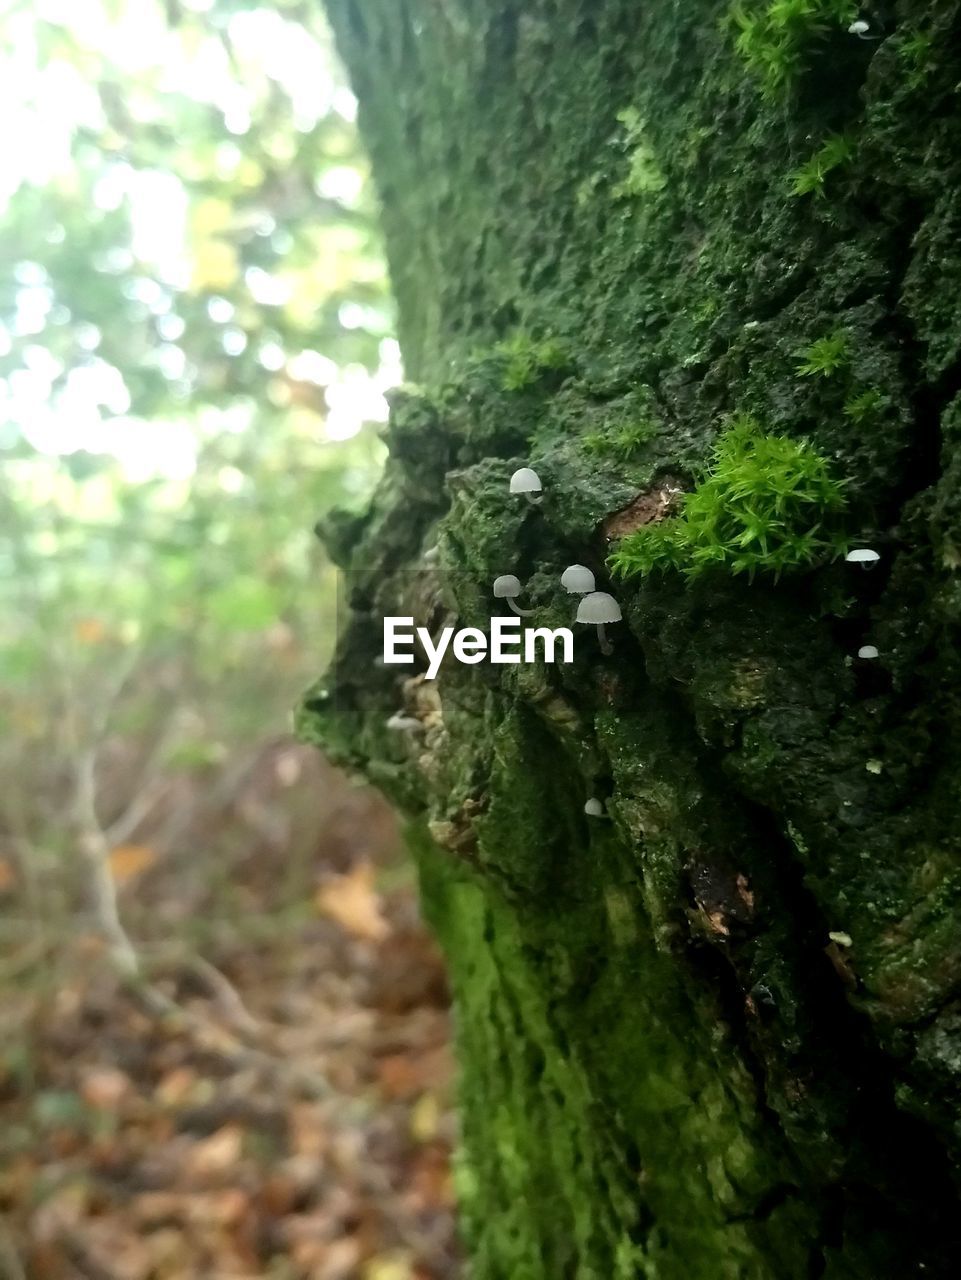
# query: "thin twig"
{"type": "Point", "coordinates": [122, 828]}
{"type": "Point", "coordinates": [235, 1054]}
{"type": "Point", "coordinates": [149, 787]}
{"type": "Point", "coordinates": [224, 993]}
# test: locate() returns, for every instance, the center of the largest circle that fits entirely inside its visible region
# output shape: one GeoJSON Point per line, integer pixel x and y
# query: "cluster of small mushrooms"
{"type": "Point", "coordinates": [596, 608]}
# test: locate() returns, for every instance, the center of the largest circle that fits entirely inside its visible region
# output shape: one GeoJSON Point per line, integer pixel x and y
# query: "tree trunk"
{"type": "Point", "coordinates": [717, 1031]}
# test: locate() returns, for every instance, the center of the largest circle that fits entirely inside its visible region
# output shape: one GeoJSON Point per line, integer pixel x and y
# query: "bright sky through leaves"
{"type": "Point", "coordinates": [187, 225]}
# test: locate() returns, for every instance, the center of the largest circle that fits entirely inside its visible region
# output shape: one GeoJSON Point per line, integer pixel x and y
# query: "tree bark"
{"type": "Point", "coordinates": [716, 1032]}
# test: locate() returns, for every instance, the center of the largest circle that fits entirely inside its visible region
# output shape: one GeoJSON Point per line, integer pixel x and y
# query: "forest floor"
{"type": "Point", "coordinates": [286, 1113]}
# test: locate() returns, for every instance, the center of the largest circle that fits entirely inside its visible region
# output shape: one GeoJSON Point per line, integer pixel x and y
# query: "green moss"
{"type": "Point", "coordinates": [525, 359]}
{"type": "Point", "coordinates": [809, 179]}
{"type": "Point", "coordinates": [768, 504]}
{"type": "Point", "coordinates": [572, 1055]}
{"type": "Point", "coordinates": [621, 443]}
{"type": "Point", "coordinates": [776, 39]}
{"type": "Point", "coordinates": [825, 357]}
{"type": "Point", "coordinates": [914, 50]}
{"type": "Point", "coordinates": [867, 406]}
{"type": "Point", "coordinates": [644, 173]}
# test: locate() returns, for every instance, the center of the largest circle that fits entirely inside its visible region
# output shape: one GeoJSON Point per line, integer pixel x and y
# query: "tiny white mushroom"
{"type": "Point", "coordinates": [431, 555]}
{"type": "Point", "coordinates": [593, 808]}
{"type": "Point", "coordinates": [508, 587]}
{"type": "Point", "coordinates": [840, 938]}
{"type": "Point", "coordinates": [596, 610]}
{"type": "Point", "coordinates": [860, 28]}
{"type": "Point", "coordinates": [864, 556]}
{"type": "Point", "coordinates": [404, 724]}
{"type": "Point", "coordinates": [868, 651]}
{"type": "Point", "coordinates": [577, 580]}
{"type": "Point", "coordinates": [528, 483]}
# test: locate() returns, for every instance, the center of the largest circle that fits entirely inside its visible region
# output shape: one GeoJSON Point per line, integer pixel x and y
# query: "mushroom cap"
{"type": "Point", "coordinates": [868, 651]}
{"type": "Point", "coordinates": [593, 808]}
{"type": "Point", "coordinates": [506, 587]}
{"type": "Point", "coordinates": [526, 481]}
{"type": "Point", "coordinates": [577, 579]}
{"type": "Point", "coordinates": [858, 27]}
{"type": "Point", "coordinates": [862, 555]}
{"type": "Point", "coordinates": [598, 607]}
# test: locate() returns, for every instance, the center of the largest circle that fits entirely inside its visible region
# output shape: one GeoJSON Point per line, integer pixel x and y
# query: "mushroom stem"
{"type": "Point", "coordinates": [521, 613]}
{"type": "Point", "coordinates": [606, 647]}
{"type": "Point", "coordinates": [533, 498]}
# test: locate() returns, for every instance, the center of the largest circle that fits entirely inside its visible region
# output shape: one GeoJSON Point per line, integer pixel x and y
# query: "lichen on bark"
{"type": "Point", "coordinates": [670, 1067]}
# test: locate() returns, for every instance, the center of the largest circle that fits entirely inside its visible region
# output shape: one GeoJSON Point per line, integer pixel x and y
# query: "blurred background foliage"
{"type": "Point", "coordinates": [195, 342]}
{"type": "Point", "coordinates": [195, 336]}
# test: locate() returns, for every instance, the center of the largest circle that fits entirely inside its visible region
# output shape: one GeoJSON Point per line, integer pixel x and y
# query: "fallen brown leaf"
{"type": "Point", "coordinates": [128, 860]}
{"type": "Point", "coordinates": [354, 903]}
{"type": "Point", "coordinates": [104, 1088]}
{"type": "Point", "coordinates": [219, 1152]}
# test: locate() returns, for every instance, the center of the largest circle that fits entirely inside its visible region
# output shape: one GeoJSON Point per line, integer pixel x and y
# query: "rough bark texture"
{"type": "Point", "coordinates": [601, 247]}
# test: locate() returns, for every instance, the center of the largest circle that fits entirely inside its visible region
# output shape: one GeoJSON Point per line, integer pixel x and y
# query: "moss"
{"type": "Point", "coordinates": [825, 357]}
{"type": "Point", "coordinates": [548, 1123]}
{"type": "Point", "coordinates": [866, 406]}
{"type": "Point", "coordinates": [777, 39]}
{"type": "Point", "coordinates": [526, 359]}
{"type": "Point", "coordinates": [915, 49]}
{"type": "Point", "coordinates": [810, 178]}
{"type": "Point", "coordinates": [644, 174]}
{"type": "Point", "coordinates": [622, 443]}
{"type": "Point", "coordinates": [768, 504]}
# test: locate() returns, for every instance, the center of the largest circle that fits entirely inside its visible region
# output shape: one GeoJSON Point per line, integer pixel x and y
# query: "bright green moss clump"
{"type": "Point", "coordinates": [824, 358]}
{"type": "Point", "coordinates": [621, 444]}
{"type": "Point", "coordinates": [644, 174]}
{"type": "Point", "coordinates": [526, 359]}
{"type": "Point", "coordinates": [776, 39]}
{"type": "Point", "coordinates": [834, 152]}
{"type": "Point", "coordinates": [768, 504]}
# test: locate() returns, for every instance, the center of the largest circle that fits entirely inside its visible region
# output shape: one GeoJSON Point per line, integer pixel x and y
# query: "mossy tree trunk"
{"type": "Point", "coordinates": [716, 1033]}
